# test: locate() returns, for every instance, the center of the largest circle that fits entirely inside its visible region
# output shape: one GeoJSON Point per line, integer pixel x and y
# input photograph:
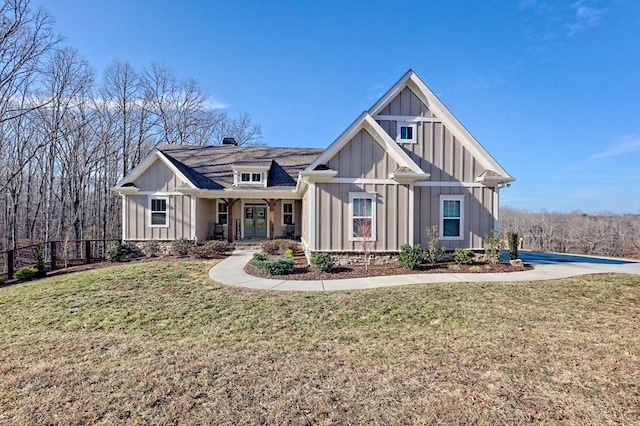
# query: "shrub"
{"type": "Point", "coordinates": [322, 261]}
{"type": "Point", "coordinates": [117, 251]}
{"type": "Point", "coordinates": [181, 247]}
{"type": "Point", "coordinates": [25, 273]}
{"type": "Point", "coordinates": [209, 249]}
{"type": "Point", "coordinates": [260, 256]}
{"type": "Point", "coordinates": [434, 252]}
{"type": "Point", "coordinates": [290, 245]}
{"type": "Point", "coordinates": [492, 247]}
{"type": "Point", "coordinates": [513, 240]}
{"type": "Point", "coordinates": [271, 247]}
{"type": "Point", "coordinates": [463, 256]}
{"type": "Point", "coordinates": [280, 266]}
{"type": "Point", "coordinates": [411, 256]}
{"type": "Point", "coordinates": [2, 280]}
{"type": "Point", "coordinates": [152, 248]}
{"type": "Point", "coordinates": [38, 252]}
{"type": "Point", "coordinates": [288, 254]}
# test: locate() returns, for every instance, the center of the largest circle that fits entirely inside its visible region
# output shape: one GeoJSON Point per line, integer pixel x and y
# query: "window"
{"type": "Point", "coordinates": [406, 132]}
{"type": "Point", "coordinates": [158, 211]}
{"type": "Point", "coordinates": [451, 219]}
{"type": "Point", "coordinates": [287, 213]}
{"type": "Point", "coordinates": [362, 223]}
{"type": "Point", "coordinates": [222, 213]}
{"type": "Point", "coordinates": [251, 177]}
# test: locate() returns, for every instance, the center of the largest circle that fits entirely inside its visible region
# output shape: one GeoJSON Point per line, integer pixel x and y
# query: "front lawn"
{"type": "Point", "coordinates": [158, 342]}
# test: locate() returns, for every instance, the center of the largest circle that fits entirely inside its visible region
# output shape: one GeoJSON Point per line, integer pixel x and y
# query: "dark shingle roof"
{"type": "Point", "coordinates": [211, 167]}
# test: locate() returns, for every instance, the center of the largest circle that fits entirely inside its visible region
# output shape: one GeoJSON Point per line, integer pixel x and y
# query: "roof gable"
{"type": "Point", "coordinates": [154, 155]}
{"type": "Point", "coordinates": [411, 80]}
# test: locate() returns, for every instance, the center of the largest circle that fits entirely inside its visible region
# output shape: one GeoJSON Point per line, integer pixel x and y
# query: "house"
{"type": "Point", "coordinates": [402, 166]}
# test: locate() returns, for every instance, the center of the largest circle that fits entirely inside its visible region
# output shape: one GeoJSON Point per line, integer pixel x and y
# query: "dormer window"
{"type": "Point", "coordinates": [254, 173]}
{"type": "Point", "coordinates": [251, 177]}
{"type": "Point", "coordinates": [406, 132]}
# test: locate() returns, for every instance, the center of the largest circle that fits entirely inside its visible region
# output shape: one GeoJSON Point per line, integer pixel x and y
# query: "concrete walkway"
{"type": "Point", "coordinates": [546, 267]}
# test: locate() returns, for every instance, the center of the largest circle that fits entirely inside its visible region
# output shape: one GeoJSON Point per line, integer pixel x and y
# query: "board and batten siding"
{"type": "Point", "coordinates": [138, 228]}
{"type": "Point", "coordinates": [436, 151]}
{"type": "Point", "coordinates": [362, 157]}
{"type": "Point", "coordinates": [333, 215]}
{"type": "Point", "coordinates": [479, 214]}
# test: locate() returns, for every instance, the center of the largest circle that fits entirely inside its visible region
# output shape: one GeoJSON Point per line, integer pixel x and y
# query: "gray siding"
{"type": "Point", "coordinates": [205, 218]}
{"type": "Point", "coordinates": [362, 157]}
{"type": "Point", "coordinates": [332, 217]}
{"type": "Point", "coordinates": [137, 208]}
{"type": "Point", "coordinates": [479, 214]}
{"type": "Point", "coordinates": [158, 177]}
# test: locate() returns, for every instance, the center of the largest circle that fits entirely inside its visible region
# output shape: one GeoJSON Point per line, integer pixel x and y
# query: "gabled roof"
{"type": "Point", "coordinates": [366, 122]}
{"type": "Point", "coordinates": [211, 167]}
{"type": "Point", "coordinates": [410, 79]}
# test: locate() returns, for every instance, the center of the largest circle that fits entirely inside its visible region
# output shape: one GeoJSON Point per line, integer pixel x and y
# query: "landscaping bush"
{"type": "Point", "coordinates": [117, 251]}
{"type": "Point", "coordinates": [25, 273]}
{"type": "Point", "coordinates": [288, 254]}
{"type": "Point", "coordinates": [434, 252]}
{"type": "Point", "coordinates": [2, 280]}
{"type": "Point", "coordinates": [260, 256]}
{"type": "Point", "coordinates": [181, 247]}
{"type": "Point", "coordinates": [294, 246]}
{"type": "Point", "coordinates": [322, 261]}
{"type": "Point", "coordinates": [513, 239]}
{"type": "Point", "coordinates": [152, 248]}
{"type": "Point", "coordinates": [38, 253]}
{"type": "Point", "coordinates": [492, 247]}
{"type": "Point", "coordinates": [463, 256]}
{"type": "Point", "coordinates": [411, 256]}
{"type": "Point", "coordinates": [280, 266]}
{"type": "Point", "coordinates": [271, 247]}
{"type": "Point", "coordinates": [209, 250]}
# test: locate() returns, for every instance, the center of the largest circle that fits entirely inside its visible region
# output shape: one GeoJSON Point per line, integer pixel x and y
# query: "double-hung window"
{"type": "Point", "coordinates": [222, 213]}
{"type": "Point", "coordinates": [451, 217]}
{"type": "Point", "coordinates": [362, 220]}
{"type": "Point", "coordinates": [158, 212]}
{"type": "Point", "coordinates": [287, 213]}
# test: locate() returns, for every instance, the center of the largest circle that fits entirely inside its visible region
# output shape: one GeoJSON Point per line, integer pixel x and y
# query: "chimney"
{"type": "Point", "coordinates": [229, 141]}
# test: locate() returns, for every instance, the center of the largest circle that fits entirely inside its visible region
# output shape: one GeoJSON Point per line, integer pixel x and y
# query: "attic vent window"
{"type": "Point", "coordinates": [406, 132]}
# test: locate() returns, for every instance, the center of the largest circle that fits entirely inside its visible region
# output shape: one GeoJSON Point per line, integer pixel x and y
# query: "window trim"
{"type": "Point", "coordinates": [362, 195]}
{"type": "Point", "coordinates": [218, 212]}
{"type": "Point", "coordinates": [444, 198]}
{"type": "Point", "coordinates": [293, 210]}
{"type": "Point", "coordinates": [414, 131]}
{"type": "Point", "coordinates": [166, 212]}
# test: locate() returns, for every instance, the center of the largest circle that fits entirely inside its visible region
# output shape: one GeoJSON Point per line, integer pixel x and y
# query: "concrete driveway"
{"type": "Point", "coordinates": [547, 266]}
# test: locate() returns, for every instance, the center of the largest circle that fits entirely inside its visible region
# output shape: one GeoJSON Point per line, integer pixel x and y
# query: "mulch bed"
{"type": "Point", "coordinates": [302, 271]}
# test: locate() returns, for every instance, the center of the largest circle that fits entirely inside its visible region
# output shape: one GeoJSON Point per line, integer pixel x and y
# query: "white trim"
{"type": "Point", "coordinates": [448, 197]}
{"type": "Point", "coordinates": [407, 118]}
{"type": "Point", "coordinates": [149, 211]}
{"type": "Point", "coordinates": [496, 209]}
{"type": "Point", "coordinates": [159, 193]}
{"type": "Point", "coordinates": [218, 202]}
{"type": "Point", "coordinates": [411, 212]}
{"type": "Point", "coordinates": [148, 161]}
{"type": "Point", "coordinates": [193, 218]}
{"type": "Point", "coordinates": [366, 122]}
{"type": "Point", "coordinates": [249, 193]}
{"type": "Point", "coordinates": [379, 181]}
{"type": "Point", "coordinates": [293, 210]}
{"type": "Point", "coordinates": [312, 216]}
{"type": "Point", "coordinates": [363, 195]}
{"type": "Point", "coordinates": [411, 80]}
{"type": "Point", "coordinates": [414, 132]}
{"type": "Point", "coordinates": [125, 216]}
{"type": "Point", "coordinates": [450, 184]}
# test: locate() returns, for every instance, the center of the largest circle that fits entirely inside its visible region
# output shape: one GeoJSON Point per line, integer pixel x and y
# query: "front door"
{"type": "Point", "coordinates": [255, 221]}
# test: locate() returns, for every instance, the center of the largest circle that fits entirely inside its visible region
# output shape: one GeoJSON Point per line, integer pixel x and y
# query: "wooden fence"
{"type": "Point", "coordinates": [54, 255]}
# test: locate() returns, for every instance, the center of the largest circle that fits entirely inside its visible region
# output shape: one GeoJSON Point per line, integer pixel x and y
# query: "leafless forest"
{"type": "Point", "coordinates": [601, 234]}
{"type": "Point", "coordinates": [67, 135]}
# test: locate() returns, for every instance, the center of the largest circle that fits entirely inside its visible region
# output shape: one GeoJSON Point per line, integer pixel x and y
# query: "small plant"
{"type": "Point", "coordinates": [513, 240]}
{"type": "Point", "coordinates": [363, 231]}
{"type": "Point", "coordinates": [152, 248]}
{"type": "Point", "coordinates": [2, 280]}
{"type": "Point", "coordinates": [322, 261]}
{"type": "Point", "coordinates": [280, 266]}
{"type": "Point", "coordinates": [181, 247]}
{"type": "Point", "coordinates": [272, 247]}
{"type": "Point", "coordinates": [290, 245]}
{"type": "Point", "coordinates": [463, 256]}
{"type": "Point", "coordinates": [411, 256]}
{"type": "Point", "coordinates": [288, 254]}
{"type": "Point", "coordinates": [492, 247]}
{"type": "Point", "coordinates": [38, 253]}
{"type": "Point", "coordinates": [434, 252]}
{"type": "Point", "coordinates": [117, 251]}
{"type": "Point", "coordinates": [260, 256]}
{"type": "Point", "coordinates": [209, 250]}
{"type": "Point", "coordinates": [25, 273]}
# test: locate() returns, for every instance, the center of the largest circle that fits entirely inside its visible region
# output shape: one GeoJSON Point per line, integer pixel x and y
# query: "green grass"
{"type": "Point", "coordinates": [158, 342]}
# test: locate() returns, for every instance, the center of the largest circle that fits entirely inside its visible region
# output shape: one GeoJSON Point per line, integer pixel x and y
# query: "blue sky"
{"type": "Point", "coordinates": [550, 88]}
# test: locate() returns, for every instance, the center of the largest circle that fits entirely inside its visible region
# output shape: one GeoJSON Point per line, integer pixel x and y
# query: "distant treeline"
{"type": "Point", "coordinates": [66, 136]}
{"type": "Point", "coordinates": [603, 234]}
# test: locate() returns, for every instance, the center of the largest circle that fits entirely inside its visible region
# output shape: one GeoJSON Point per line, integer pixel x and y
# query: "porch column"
{"type": "Point", "coordinates": [230, 220]}
{"type": "Point", "coordinates": [272, 217]}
